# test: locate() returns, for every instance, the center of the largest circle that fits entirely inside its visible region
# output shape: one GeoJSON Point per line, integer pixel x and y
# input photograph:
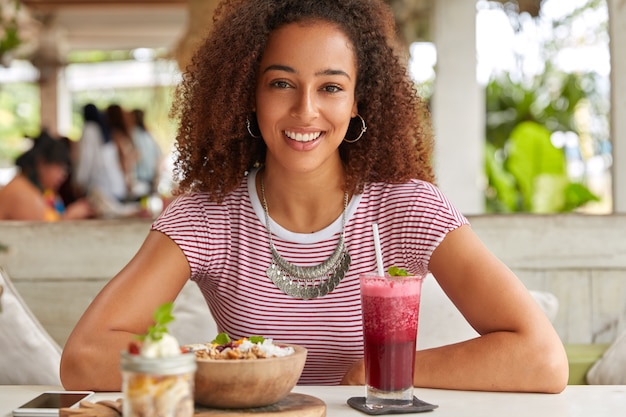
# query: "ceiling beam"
{"type": "Point", "coordinates": [96, 3]}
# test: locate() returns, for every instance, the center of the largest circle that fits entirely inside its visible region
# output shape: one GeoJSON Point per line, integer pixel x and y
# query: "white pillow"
{"type": "Point", "coordinates": [548, 302]}
{"type": "Point", "coordinates": [193, 322]}
{"type": "Point", "coordinates": [610, 369]}
{"type": "Point", "coordinates": [441, 323]}
{"type": "Point", "coordinates": [28, 355]}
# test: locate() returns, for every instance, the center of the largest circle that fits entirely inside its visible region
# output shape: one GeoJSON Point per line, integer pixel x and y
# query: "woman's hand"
{"type": "Point", "coordinates": [80, 209]}
{"type": "Point", "coordinates": [355, 375]}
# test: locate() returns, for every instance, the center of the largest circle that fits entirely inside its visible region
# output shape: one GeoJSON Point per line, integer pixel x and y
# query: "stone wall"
{"type": "Point", "coordinates": [59, 267]}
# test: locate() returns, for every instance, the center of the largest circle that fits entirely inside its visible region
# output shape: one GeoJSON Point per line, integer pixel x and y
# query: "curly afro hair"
{"type": "Point", "coordinates": [216, 96]}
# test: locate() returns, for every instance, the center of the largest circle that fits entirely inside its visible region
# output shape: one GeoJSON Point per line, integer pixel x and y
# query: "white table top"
{"type": "Point", "coordinates": [575, 401]}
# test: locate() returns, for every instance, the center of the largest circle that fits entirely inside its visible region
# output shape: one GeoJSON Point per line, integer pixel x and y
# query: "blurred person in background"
{"type": "Point", "coordinates": [117, 122]}
{"type": "Point", "coordinates": [33, 193]}
{"type": "Point", "coordinates": [98, 165]}
{"type": "Point", "coordinates": [149, 156]}
{"type": "Point", "coordinates": [68, 190]}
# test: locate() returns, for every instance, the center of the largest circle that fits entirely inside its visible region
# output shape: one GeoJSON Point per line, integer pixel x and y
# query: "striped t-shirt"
{"type": "Point", "coordinates": [227, 247]}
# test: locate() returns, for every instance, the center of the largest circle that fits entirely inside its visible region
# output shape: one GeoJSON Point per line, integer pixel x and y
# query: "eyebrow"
{"type": "Point", "coordinates": [285, 68]}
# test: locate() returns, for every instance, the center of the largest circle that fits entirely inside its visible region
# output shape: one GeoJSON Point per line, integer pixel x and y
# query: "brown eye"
{"type": "Point", "coordinates": [332, 89]}
{"type": "Point", "coordinates": [280, 84]}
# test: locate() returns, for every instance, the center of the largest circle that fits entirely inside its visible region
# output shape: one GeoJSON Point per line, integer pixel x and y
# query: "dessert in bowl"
{"type": "Point", "coordinates": [246, 374]}
{"type": "Point", "coordinates": [157, 375]}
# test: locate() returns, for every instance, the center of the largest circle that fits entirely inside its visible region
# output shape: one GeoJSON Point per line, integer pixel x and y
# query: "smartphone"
{"type": "Point", "coordinates": [49, 403]}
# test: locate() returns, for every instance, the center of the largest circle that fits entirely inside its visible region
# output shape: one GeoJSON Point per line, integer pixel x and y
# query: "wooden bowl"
{"type": "Point", "coordinates": [247, 383]}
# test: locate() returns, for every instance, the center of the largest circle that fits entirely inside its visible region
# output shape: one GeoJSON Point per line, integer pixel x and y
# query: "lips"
{"type": "Point", "coordinates": [303, 137]}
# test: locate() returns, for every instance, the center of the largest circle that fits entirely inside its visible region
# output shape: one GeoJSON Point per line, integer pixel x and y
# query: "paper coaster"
{"type": "Point", "coordinates": [419, 406]}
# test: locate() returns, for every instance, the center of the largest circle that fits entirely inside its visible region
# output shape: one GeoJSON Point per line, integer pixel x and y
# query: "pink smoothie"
{"type": "Point", "coordinates": [390, 315]}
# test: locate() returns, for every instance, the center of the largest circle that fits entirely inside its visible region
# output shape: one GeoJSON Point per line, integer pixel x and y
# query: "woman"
{"type": "Point", "coordinates": [33, 193]}
{"type": "Point", "coordinates": [127, 154]}
{"type": "Point", "coordinates": [148, 153]}
{"type": "Point", "coordinates": [98, 166]}
{"type": "Point", "coordinates": [295, 136]}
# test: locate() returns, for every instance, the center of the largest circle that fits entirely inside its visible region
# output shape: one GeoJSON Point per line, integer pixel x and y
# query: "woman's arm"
{"type": "Point", "coordinates": [78, 210]}
{"type": "Point", "coordinates": [23, 201]}
{"type": "Point", "coordinates": [124, 307]}
{"type": "Point", "coordinates": [518, 350]}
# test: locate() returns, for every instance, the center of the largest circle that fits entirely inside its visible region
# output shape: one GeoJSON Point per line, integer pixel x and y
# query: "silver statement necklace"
{"type": "Point", "coordinates": [307, 282]}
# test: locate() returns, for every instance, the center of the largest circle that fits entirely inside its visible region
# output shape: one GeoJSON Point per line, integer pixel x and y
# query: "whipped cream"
{"type": "Point", "coordinates": [165, 347]}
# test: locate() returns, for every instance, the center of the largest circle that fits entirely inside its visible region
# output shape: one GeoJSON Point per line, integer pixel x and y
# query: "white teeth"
{"type": "Point", "coordinates": [303, 137]}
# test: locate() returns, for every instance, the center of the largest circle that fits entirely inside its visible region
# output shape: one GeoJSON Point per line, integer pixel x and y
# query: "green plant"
{"type": "Point", "coordinates": [9, 29]}
{"type": "Point", "coordinates": [533, 176]}
{"type": "Point", "coordinates": [525, 171]}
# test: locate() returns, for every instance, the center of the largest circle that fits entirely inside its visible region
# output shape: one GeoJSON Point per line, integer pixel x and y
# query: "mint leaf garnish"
{"type": "Point", "coordinates": [221, 339]}
{"type": "Point", "coordinates": [256, 339]}
{"type": "Point", "coordinates": [162, 316]}
{"type": "Point", "coordinates": [394, 271]}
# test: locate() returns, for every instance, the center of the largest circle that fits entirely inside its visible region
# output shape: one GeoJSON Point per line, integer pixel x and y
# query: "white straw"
{"type": "Point", "coordinates": [379, 255]}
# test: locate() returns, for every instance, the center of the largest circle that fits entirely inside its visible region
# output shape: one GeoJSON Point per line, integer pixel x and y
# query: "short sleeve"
{"type": "Point", "coordinates": [185, 222]}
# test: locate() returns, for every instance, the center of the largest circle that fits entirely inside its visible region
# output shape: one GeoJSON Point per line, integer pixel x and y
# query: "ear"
{"type": "Point", "coordinates": [355, 109]}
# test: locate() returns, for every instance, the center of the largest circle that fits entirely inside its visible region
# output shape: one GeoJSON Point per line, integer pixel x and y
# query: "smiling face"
{"type": "Point", "coordinates": [305, 95]}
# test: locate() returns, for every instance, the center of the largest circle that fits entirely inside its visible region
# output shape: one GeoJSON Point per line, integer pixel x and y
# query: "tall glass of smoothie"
{"type": "Point", "coordinates": [390, 307]}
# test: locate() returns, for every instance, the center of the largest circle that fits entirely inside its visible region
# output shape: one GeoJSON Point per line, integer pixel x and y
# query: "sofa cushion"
{"type": "Point", "coordinates": [581, 357]}
{"type": "Point", "coordinates": [29, 356]}
{"type": "Point", "coordinates": [610, 369]}
{"type": "Point", "coordinates": [193, 321]}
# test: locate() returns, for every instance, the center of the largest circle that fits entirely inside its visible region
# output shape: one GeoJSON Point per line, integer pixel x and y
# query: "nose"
{"type": "Point", "coordinates": [305, 106]}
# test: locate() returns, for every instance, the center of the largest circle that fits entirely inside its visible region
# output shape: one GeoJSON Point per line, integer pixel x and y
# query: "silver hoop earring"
{"type": "Point", "coordinates": [249, 127]}
{"type": "Point", "coordinates": [363, 130]}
